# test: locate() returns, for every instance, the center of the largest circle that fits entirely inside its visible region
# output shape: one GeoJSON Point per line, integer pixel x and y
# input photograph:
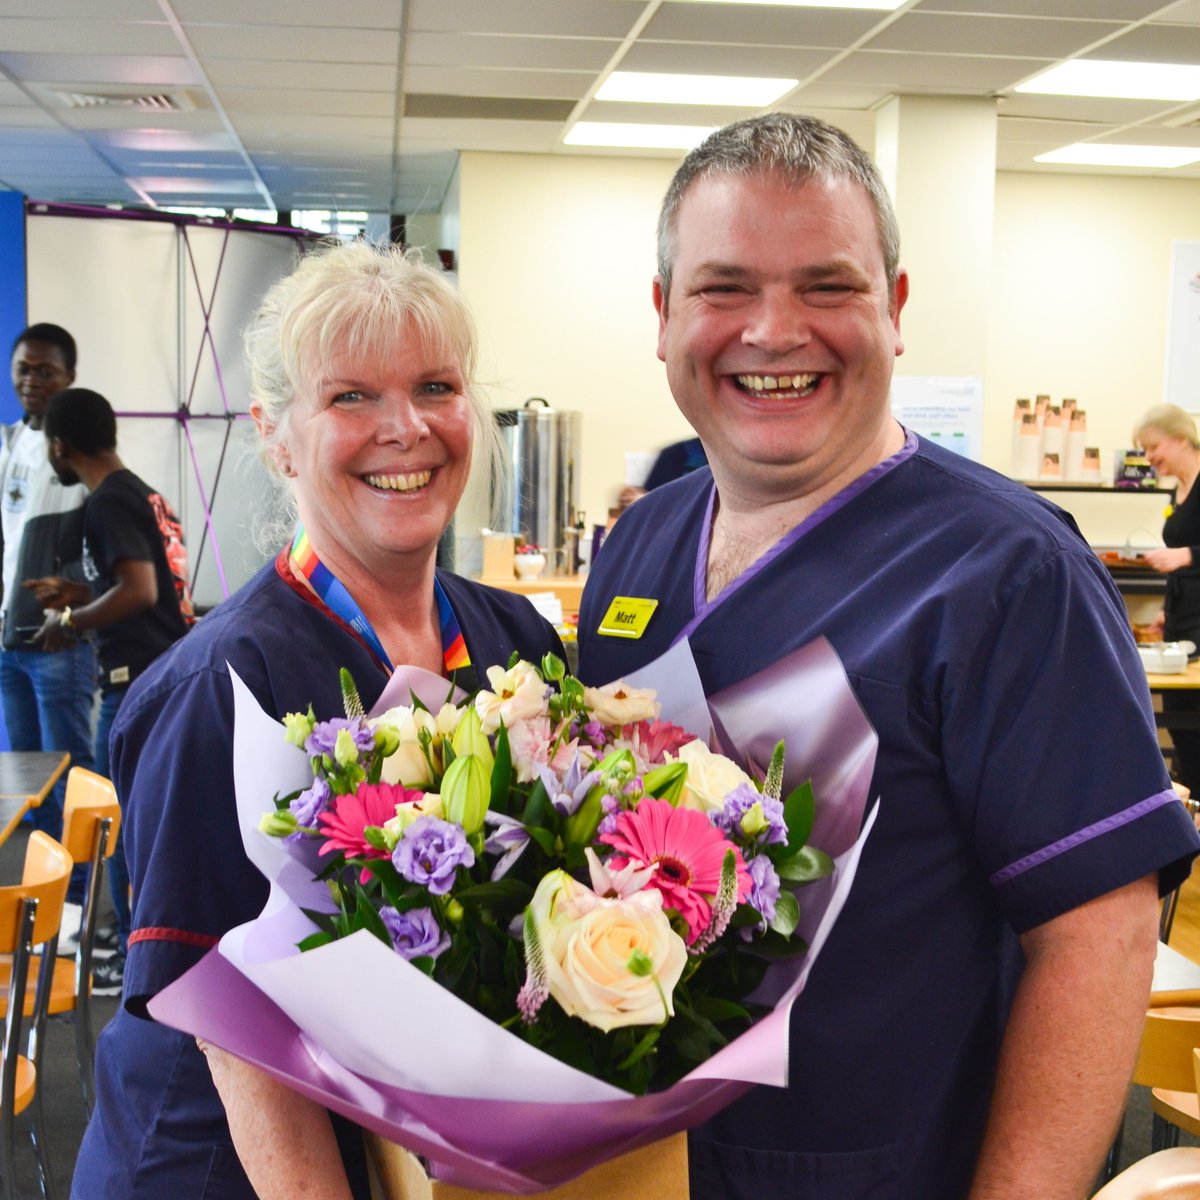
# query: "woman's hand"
{"type": "Point", "coordinates": [1169, 559]}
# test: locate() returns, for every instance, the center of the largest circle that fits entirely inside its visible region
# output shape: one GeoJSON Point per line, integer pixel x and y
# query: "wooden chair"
{"type": "Point", "coordinates": [91, 819]}
{"type": "Point", "coordinates": [1172, 1174]}
{"type": "Point", "coordinates": [30, 915]}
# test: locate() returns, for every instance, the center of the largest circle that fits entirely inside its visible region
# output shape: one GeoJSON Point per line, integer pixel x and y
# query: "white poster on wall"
{"type": "Point", "coordinates": [944, 409]}
{"type": "Point", "coordinates": [1182, 376]}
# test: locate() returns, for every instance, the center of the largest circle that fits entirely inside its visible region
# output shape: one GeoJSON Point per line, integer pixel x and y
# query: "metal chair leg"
{"type": "Point", "coordinates": [41, 1143]}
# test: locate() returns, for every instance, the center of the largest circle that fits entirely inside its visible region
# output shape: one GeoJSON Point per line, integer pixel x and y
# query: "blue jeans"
{"type": "Point", "coordinates": [47, 701]}
{"type": "Point", "coordinates": [118, 872]}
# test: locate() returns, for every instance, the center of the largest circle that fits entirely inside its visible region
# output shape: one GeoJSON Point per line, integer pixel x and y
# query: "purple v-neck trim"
{"type": "Point", "coordinates": [702, 607]}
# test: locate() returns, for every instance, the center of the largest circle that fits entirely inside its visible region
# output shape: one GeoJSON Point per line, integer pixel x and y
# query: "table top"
{"type": "Point", "coordinates": [26, 777]}
{"type": "Point", "coordinates": [1188, 678]}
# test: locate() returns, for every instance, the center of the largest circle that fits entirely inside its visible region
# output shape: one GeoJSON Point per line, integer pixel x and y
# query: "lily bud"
{"type": "Point", "coordinates": [666, 781]}
{"type": "Point", "coordinates": [345, 749]}
{"type": "Point", "coordinates": [754, 821]}
{"type": "Point", "coordinates": [469, 739]}
{"type": "Point", "coordinates": [466, 792]}
{"type": "Point", "coordinates": [387, 739]}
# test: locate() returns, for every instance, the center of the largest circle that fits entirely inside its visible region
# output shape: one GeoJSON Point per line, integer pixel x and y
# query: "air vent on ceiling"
{"type": "Point", "coordinates": [142, 101]}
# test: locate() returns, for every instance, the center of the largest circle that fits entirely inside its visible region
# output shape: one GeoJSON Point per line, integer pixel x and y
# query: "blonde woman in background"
{"type": "Point", "coordinates": [1168, 437]}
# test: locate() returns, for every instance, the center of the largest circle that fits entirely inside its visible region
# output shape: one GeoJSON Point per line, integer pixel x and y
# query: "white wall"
{"type": "Point", "coordinates": [1081, 270]}
{"type": "Point", "coordinates": [557, 254]}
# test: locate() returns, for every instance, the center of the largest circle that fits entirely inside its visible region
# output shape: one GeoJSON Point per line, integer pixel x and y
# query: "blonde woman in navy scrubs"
{"type": "Point", "coordinates": [361, 372]}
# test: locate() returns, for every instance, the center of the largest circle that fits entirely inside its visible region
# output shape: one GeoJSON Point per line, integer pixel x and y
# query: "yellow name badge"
{"type": "Point", "coordinates": [627, 617]}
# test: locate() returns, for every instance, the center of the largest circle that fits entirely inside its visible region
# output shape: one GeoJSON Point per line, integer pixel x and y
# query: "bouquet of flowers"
{"type": "Point", "coordinates": [542, 896]}
{"type": "Point", "coordinates": [581, 872]}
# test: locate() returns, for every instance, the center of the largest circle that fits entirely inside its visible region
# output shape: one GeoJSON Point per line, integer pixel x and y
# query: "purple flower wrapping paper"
{"type": "Point", "coordinates": [357, 1028]}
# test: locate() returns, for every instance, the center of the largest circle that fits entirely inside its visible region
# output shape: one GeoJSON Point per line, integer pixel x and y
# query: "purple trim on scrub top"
{"type": "Point", "coordinates": [702, 606]}
{"type": "Point", "coordinates": [1038, 857]}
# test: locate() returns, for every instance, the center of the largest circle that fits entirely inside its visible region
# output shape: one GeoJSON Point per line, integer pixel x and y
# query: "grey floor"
{"type": "Point", "coordinates": [66, 1116]}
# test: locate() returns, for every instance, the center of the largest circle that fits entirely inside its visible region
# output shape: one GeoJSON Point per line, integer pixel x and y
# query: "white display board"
{"type": "Point", "coordinates": [1182, 375]}
{"type": "Point", "coordinates": [944, 409]}
{"type": "Point", "coordinates": [157, 311]}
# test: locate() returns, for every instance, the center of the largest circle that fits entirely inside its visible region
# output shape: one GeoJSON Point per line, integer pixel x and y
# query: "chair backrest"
{"type": "Point", "coordinates": [45, 877]}
{"type": "Point", "coordinates": [1169, 1040]}
{"type": "Point", "coordinates": [90, 797]}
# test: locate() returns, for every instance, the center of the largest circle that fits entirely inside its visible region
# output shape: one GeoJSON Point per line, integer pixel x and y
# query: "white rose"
{"type": "Point", "coordinates": [710, 777]}
{"type": "Point", "coordinates": [430, 805]}
{"type": "Point", "coordinates": [516, 695]}
{"type": "Point", "coordinates": [619, 704]}
{"type": "Point", "coordinates": [589, 940]}
{"type": "Point", "coordinates": [407, 764]}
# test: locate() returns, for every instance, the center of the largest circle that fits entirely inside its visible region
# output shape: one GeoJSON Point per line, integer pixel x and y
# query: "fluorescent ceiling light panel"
{"type": "Point", "coordinates": [653, 88]}
{"type": "Point", "coordinates": [877, 5]}
{"type": "Point", "coordinates": [646, 137]}
{"type": "Point", "coordinates": [1100, 154]}
{"type": "Point", "coordinates": [1117, 80]}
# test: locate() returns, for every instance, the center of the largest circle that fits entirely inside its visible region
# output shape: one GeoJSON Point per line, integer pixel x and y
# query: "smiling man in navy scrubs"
{"type": "Point", "coordinates": [971, 1025]}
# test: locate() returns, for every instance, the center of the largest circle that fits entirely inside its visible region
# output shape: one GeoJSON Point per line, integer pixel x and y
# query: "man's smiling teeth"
{"type": "Point", "coordinates": [400, 483]}
{"type": "Point", "coordinates": [782, 383]}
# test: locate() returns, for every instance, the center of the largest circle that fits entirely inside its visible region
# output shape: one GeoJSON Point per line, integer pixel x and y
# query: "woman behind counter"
{"type": "Point", "coordinates": [1168, 437]}
{"type": "Point", "coordinates": [361, 372]}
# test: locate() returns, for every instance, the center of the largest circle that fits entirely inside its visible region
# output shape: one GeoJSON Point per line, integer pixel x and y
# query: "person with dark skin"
{"type": "Point", "coordinates": [137, 599]}
{"type": "Point", "coordinates": [47, 698]}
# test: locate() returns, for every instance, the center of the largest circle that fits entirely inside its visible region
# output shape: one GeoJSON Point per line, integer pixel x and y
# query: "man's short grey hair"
{"type": "Point", "coordinates": [797, 147]}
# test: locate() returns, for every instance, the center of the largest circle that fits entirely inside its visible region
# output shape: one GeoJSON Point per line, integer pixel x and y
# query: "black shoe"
{"type": "Point", "coordinates": [107, 937]}
{"type": "Point", "coordinates": [108, 976]}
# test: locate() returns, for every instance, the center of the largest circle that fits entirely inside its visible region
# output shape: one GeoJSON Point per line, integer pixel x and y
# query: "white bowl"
{"type": "Point", "coordinates": [1165, 658]}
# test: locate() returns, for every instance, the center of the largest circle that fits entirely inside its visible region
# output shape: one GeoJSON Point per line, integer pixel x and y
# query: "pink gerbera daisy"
{"type": "Point", "coordinates": [372, 804]}
{"type": "Point", "coordinates": [688, 851]}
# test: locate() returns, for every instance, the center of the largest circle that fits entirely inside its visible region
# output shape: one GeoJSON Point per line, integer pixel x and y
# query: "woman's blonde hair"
{"type": "Point", "coordinates": [361, 297]}
{"type": "Point", "coordinates": [1171, 421]}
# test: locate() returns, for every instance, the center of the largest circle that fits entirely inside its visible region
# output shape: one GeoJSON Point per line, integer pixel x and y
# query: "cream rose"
{"type": "Point", "coordinates": [619, 704]}
{"type": "Point", "coordinates": [589, 941]}
{"type": "Point", "coordinates": [710, 777]}
{"type": "Point", "coordinates": [430, 805]}
{"type": "Point", "coordinates": [516, 695]}
{"type": "Point", "coordinates": [408, 765]}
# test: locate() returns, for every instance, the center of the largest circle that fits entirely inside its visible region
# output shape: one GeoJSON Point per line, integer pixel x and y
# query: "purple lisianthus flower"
{"type": "Point", "coordinates": [309, 805]}
{"type": "Point", "coordinates": [509, 841]}
{"type": "Point", "coordinates": [738, 803]}
{"type": "Point", "coordinates": [569, 793]}
{"type": "Point", "coordinates": [594, 733]}
{"type": "Point", "coordinates": [324, 735]}
{"type": "Point", "coordinates": [764, 887]}
{"type": "Point", "coordinates": [416, 933]}
{"type": "Point", "coordinates": [430, 852]}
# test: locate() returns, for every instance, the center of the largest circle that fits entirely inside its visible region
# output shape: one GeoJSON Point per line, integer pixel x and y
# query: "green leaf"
{"type": "Point", "coordinates": [715, 1008]}
{"type": "Point", "coordinates": [645, 1044]}
{"type": "Point", "coordinates": [798, 810]}
{"type": "Point", "coordinates": [501, 772]}
{"type": "Point", "coordinates": [805, 866]}
{"type": "Point", "coordinates": [365, 917]}
{"type": "Point", "coordinates": [320, 938]}
{"type": "Point", "coordinates": [787, 914]}
{"type": "Point", "coordinates": [510, 893]}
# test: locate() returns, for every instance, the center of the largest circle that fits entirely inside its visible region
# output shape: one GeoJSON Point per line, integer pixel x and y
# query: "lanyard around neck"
{"type": "Point", "coordinates": [333, 595]}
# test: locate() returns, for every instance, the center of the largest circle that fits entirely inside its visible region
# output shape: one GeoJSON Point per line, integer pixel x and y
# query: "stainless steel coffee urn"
{"type": "Point", "coordinates": [541, 500]}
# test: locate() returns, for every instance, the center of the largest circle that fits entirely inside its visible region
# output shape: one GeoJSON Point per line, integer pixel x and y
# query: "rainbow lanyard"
{"type": "Point", "coordinates": [332, 593]}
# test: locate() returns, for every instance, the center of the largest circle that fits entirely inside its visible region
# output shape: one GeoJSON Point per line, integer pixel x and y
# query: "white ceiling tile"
{"type": "Point", "coordinates": [519, 136]}
{"type": "Point", "coordinates": [698, 58]}
{"type": "Point", "coordinates": [477, 50]}
{"type": "Point", "coordinates": [1078, 108]}
{"type": "Point", "coordinates": [153, 71]}
{"type": "Point", "coordinates": [311, 124]}
{"type": "Point", "coordinates": [1095, 10]}
{"type": "Point", "coordinates": [564, 18]}
{"type": "Point", "coordinates": [202, 120]}
{"type": "Point", "coordinates": [1154, 43]}
{"type": "Point", "coordinates": [1017, 36]}
{"type": "Point", "coordinates": [327, 76]}
{"type": "Point", "coordinates": [239, 101]}
{"type": "Point", "coordinates": [931, 72]}
{"type": "Point", "coordinates": [1042, 134]}
{"type": "Point", "coordinates": [760, 25]}
{"type": "Point", "coordinates": [298, 43]}
{"type": "Point", "coordinates": [662, 114]}
{"type": "Point", "coordinates": [56, 10]}
{"type": "Point", "coordinates": [26, 118]}
{"type": "Point", "coordinates": [1186, 12]}
{"type": "Point", "coordinates": [823, 94]}
{"type": "Point", "coordinates": [480, 81]}
{"type": "Point", "coordinates": [346, 14]}
{"type": "Point", "coordinates": [96, 37]}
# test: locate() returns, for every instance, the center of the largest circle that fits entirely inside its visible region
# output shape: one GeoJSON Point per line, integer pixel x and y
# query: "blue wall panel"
{"type": "Point", "coordinates": [12, 291]}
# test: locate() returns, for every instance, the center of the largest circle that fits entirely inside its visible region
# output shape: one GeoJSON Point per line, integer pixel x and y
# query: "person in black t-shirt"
{"type": "Point", "coordinates": [138, 602]}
